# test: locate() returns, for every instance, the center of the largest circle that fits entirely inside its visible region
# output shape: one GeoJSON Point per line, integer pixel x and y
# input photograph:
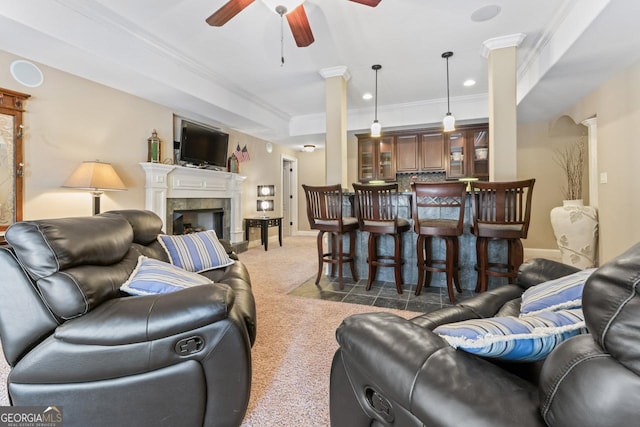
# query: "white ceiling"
{"type": "Point", "coordinates": [231, 76]}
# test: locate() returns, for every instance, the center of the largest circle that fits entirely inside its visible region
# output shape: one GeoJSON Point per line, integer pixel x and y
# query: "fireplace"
{"type": "Point", "coordinates": [192, 221]}
{"type": "Point", "coordinates": [200, 213]}
{"type": "Point", "coordinates": [171, 189]}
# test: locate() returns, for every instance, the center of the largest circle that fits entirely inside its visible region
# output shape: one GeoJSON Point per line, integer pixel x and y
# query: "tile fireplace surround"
{"type": "Point", "coordinates": [167, 182]}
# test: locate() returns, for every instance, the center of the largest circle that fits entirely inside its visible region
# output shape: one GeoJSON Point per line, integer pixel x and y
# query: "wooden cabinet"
{"type": "Point", "coordinates": [12, 106]}
{"type": "Point", "coordinates": [376, 159]}
{"type": "Point", "coordinates": [467, 153]}
{"type": "Point", "coordinates": [407, 152]}
{"type": "Point", "coordinates": [460, 154]}
{"type": "Point", "coordinates": [420, 152]}
{"type": "Point", "coordinates": [432, 151]}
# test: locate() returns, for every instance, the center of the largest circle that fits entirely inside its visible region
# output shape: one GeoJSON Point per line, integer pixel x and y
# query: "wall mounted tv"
{"type": "Point", "coordinates": [203, 146]}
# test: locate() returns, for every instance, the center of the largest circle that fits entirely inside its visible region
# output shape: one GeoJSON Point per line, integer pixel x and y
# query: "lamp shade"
{"type": "Point", "coordinates": [94, 175]}
{"type": "Point", "coordinates": [266, 190]}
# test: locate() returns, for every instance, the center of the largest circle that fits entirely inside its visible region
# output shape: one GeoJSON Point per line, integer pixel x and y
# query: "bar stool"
{"type": "Point", "coordinates": [324, 211]}
{"type": "Point", "coordinates": [377, 212]}
{"type": "Point", "coordinates": [501, 211]}
{"type": "Point", "coordinates": [438, 211]}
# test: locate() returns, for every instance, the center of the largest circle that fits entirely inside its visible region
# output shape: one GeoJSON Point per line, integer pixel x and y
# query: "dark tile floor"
{"type": "Point", "coordinates": [381, 294]}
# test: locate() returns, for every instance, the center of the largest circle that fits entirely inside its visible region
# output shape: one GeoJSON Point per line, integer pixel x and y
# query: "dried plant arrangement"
{"type": "Point", "coordinates": [571, 159]}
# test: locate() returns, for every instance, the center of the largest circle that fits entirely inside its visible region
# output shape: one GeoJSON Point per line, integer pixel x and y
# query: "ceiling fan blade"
{"type": "Point", "coordinates": [300, 26]}
{"type": "Point", "coordinates": [372, 3]}
{"type": "Point", "coordinates": [228, 11]}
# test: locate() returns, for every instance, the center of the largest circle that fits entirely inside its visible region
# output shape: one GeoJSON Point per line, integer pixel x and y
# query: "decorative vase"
{"type": "Point", "coordinates": [576, 229]}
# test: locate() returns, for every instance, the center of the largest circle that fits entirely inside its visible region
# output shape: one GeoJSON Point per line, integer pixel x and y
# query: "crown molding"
{"type": "Point", "coordinates": [512, 40]}
{"type": "Point", "coordinates": [337, 71]}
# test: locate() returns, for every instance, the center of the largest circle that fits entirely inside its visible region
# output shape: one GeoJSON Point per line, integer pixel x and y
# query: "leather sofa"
{"type": "Point", "coordinates": [75, 341]}
{"type": "Point", "coordinates": [390, 371]}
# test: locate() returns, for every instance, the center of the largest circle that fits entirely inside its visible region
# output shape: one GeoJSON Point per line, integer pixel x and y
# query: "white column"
{"type": "Point", "coordinates": [592, 128]}
{"type": "Point", "coordinates": [156, 189]}
{"type": "Point", "coordinates": [501, 55]}
{"type": "Point", "coordinates": [235, 225]}
{"type": "Point", "coordinates": [336, 124]}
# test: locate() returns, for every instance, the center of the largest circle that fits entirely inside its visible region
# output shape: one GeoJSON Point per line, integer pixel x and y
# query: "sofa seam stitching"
{"type": "Point", "coordinates": [573, 364]}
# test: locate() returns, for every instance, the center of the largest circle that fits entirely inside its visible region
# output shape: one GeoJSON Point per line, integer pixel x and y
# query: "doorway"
{"type": "Point", "coordinates": [289, 180]}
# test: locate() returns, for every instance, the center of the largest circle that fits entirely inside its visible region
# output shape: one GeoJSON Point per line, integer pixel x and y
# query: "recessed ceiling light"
{"type": "Point", "coordinates": [367, 96]}
{"type": "Point", "coordinates": [469, 82]}
{"type": "Point", "coordinates": [485, 13]}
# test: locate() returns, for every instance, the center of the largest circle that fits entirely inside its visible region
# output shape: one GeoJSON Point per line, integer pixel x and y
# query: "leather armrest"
{"type": "Point", "coordinates": [483, 305]}
{"type": "Point", "coordinates": [139, 319]}
{"type": "Point", "coordinates": [538, 270]}
{"type": "Point", "coordinates": [581, 385]}
{"type": "Point", "coordinates": [412, 367]}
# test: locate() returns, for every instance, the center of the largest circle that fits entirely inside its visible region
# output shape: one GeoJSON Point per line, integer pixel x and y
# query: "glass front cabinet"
{"type": "Point", "coordinates": [468, 153]}
{"type": "Point", "coordinates": [376, 159]}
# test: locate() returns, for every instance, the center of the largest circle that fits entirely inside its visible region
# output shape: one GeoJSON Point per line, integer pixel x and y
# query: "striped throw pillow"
{"type": "Point", "coordinates": [196, 252]}
{"type": "Point", "coordinates": [526, 338]}
{"type": "Point", "coordinates": [562, 293]}
{"type": "Point", "coordinates": [156, 277]}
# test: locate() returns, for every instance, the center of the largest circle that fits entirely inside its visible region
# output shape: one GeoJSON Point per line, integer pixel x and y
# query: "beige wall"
{"type": "Point", "coordinates": [537, 143]}
{"type": "Point", "coordinates": [69, 120]}
{"type": "Point", "coordinates": [616, 104]}
{"type": "Point", "coordinates": [311, 169]}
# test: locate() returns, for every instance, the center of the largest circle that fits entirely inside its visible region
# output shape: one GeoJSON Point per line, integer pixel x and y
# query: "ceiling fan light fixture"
{"type": "Point", "coordinates": [289, 5]}
{"type": "Point", "coordinates": [449, 122]}
{"type": "Point", "coordinates": [376, 127]}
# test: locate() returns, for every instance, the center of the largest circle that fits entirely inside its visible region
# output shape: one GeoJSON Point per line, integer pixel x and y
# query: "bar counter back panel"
{"type": "Point", "coordinates": [468, 275]}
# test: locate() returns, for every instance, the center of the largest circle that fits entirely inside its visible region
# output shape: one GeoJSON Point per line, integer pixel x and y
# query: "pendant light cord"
{"type": "Point", "coordinates": [448, 106]}
{"type": "Point", "coordinates": [281, 40]}
{"type": "Point", "coordinates": [376, 104]}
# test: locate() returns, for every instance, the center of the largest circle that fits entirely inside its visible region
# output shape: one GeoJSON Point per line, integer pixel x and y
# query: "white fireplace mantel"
{"type": "Point", "coordinates": [173, 182]}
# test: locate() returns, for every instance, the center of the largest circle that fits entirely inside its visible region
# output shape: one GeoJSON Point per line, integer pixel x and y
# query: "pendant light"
{"type": "Point", "coordinates": [449, 121]}
{"type": "Point", "coordinates": [376, 128]}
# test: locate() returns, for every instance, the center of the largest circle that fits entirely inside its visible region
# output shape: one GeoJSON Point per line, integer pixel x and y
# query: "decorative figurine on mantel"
{"type": "Point", "coordinates": [154, 148]}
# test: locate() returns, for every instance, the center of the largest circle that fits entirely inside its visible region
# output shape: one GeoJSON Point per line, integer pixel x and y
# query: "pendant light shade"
{"type": "Point", "coordinates": [376, 127]}
{"type": "Point", "coordinates": [449, 122]}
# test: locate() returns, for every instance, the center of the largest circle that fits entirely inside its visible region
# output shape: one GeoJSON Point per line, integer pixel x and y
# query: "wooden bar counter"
{"type": "Point", "coordinates": [467, 272]}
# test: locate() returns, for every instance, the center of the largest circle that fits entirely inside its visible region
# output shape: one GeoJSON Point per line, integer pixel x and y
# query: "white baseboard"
{"type": "Point", "coordinates": [552, 254]}
{"type": "Point", "coordinates": [310, 233]}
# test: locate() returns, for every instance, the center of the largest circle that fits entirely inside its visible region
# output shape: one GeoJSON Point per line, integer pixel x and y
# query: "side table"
{"type": "Point", "coordinates": [264, 223]}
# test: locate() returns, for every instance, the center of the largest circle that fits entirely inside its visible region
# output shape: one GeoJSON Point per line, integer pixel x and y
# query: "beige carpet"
{"type": "Point", "coordinates": [296, 338]}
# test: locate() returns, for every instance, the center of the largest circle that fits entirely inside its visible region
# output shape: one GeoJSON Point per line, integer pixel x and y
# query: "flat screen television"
{"type": "Point", "coordinates": [203, 146]}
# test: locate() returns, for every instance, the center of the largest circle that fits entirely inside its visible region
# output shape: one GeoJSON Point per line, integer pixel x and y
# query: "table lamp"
{"type": "Point", "coordinates": [96, 177]}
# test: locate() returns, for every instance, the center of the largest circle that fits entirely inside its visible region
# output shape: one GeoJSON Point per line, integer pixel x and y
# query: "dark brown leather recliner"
{"type": "Point", "coordinates": [390, 371]}
{"type": "Point", "coordinates": [74, 340]}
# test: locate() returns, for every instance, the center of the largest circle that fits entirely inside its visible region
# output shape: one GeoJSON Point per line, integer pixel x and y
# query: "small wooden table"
{"type": "Point", "coordinates": [264, 223]}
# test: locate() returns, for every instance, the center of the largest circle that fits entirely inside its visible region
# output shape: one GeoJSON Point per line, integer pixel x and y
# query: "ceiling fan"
{"type": "Point", "coordinates": [295, 13]}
